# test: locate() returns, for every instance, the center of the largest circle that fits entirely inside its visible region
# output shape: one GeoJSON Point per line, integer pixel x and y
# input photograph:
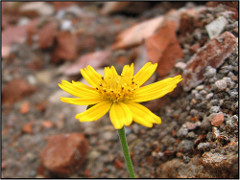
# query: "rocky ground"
{"type": "Point", "coordinates": [46, 42]}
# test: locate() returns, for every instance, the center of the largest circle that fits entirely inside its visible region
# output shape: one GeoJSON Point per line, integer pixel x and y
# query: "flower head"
{"type": "Point", "coordinates": [118, 94]}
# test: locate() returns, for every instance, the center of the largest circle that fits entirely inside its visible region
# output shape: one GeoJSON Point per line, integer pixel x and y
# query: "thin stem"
{"type": "Point", "coordinates": [122, 136]}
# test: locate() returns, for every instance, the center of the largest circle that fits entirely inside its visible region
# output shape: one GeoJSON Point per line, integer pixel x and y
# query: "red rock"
{"type": "Point", "coordinates": [199, 139]}
{"type": "Point", "coordinates": [86, 42]}
{"type": "Point", "coordinates": [216, 119]}
{"type": "Point", "coordinates": [47, 34]}
{"type": "Point", "coordinates": [211, 54]}
{"type": "Point", "coordinates": [231, 5]}
{"type": "Point", "coordinates": [64, 154]}
{"type": "Point", "coordinates": [28, 128]}
{"type": "Point", "coordinates": [41, 106]}
{"type": "Point", "coordinates": [122, 60]}
{"type": "Point", "coordinates": [174, 133]}
{"type": "Point", "coordinates": [16, 90]}
{"type": "Point", "coordinates": [190, 125]}
{"type": "Point", "coordinates": [137, 33]}
{"type": "Point", "coordinates": [87, 173]}
{"type": "Point", "coordinates": [118, 164]}
{"type": "Point", "coordinates": [62, 5]}
{"type": "Point", "coordinates": [164, 48]}
{"type": "Point", "coordinates": [194, 48]}
{"type": "Point", "coordinates": [222, 163]}
{"type": "Point", "coordinates": [110, 7]}
{"type": "Point", "coordinates": [189, 20]}
{"type": "Point", "coordinates": [168, 153]}
{"type": "Point", "coordinates": [94, 59]}
{"type": "Point", "coordinates": [47, 124]}
{"type": "Point", "coordinates": [12, 34]}
{"type": "Point", "coordinates": [4, 164]}
{"type": "Point", "coordinates": [35, 64]}
{"type": "Point", "coordinates": [66, 48]}
{"type": "Point", "coordinates": [150, 159]}
{"type": "Point", "coordinates": [24, 109]}
{"type": "Point", "coordinates": [186, 23]}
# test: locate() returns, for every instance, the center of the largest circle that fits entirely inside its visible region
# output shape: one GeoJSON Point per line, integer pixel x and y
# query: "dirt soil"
{"type": "Point", "coordinates": [44, 43]}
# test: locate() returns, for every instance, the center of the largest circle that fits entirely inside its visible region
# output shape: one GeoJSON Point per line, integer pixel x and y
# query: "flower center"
{"type": "Point", "coordinates": [117, 88]}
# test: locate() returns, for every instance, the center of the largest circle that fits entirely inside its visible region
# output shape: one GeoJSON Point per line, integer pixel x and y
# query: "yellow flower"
{"type": "Point", "coordinates": [118, 94]}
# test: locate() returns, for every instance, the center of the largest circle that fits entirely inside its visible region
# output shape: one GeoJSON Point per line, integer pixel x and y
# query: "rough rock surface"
{"type": "Point", "coordinates": [212, 54]}
{"type": "Point", "coordinates": [64, 154]}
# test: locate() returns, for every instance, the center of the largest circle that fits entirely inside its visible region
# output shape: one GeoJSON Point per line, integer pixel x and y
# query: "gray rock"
{"type": "Point", "coordinates": [209, 96]}
{"type": "Point", "coordinates": [209, 72]}
{"type": "Point", "coordinates": [191, 135]}
{"type": "Point", "coordinates": [232, 122]}
{"type": "Point", "coordinates": [221, 84]}
{"type": "Point", "coordinates": [193, 112]}
{"type": "Point", "coordinates": [204, 146]}
{"type": "Point", "coordinates": [233, 94]}
{"type": "Point", "coordinates": [214, 102]}
{"type": "Point", "coordinates": [214, 109]}
{"type": "Point", "coordinates": [216, 27]}
{"type": "Point", "coordinates": [229, 82]}
{"type": "Point", "coordinates": [200, 87]}
{"type": "Point", "coordinates": [185, 146]}
{"type": "Point", "coordinates": [182, 132]}
{"type": "Point", "coordinates": [66, 25]}
{"type": "Point", "coordinates": [203, 92]}
{"type": "Point", "coordinates": [205, 125]}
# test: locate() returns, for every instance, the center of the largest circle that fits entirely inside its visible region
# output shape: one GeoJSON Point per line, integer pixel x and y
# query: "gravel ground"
{"type": "Point", "coordinates": [198, 137]}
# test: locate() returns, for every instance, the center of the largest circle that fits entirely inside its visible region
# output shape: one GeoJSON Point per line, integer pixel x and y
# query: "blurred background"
{"type": "Point", "coordinates": [46, 42]}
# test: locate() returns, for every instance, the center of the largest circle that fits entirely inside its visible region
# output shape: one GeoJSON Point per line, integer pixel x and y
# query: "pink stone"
{"type": "Point", "coordinates": [211, 54]}
{"type": "Point", "coordinates": [64, 154]}
{"type": "Point", "coordinates": [163, 48]}
{"type": "Point", "coordinates": [217, 119]}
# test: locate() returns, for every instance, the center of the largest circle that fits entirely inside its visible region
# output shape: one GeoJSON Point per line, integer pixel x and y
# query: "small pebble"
{"type": "Point", "coordinates": [203, 146]}
{"type": "Point", "coordinates": [203, 92]}
{"type": "Point", "coordinates": [214, 102]}
{"type": "Point", "coordinates": [216, 132]}
{"type": "Point", "coordinates": [180, 65]}
{"type": "Point", "coordinates": [210, 72]}
{"type": "Point", "coordinates": [200, 87]}
{"type": "Point", "coordinates": [185, 146]}
{"type": "Point", "coordinates": [193, 112]}
{"type": "Point", "coordinates": [214, 109]}
{"type": "Point", "coordinates": [182, 132]}
{"type": "Point", "coordinates": [221, 84]}
{"type": "Point", "coordinates": [232, 122]}
{"type": "Point", "coordinates": [205, 124]}
{"type": "Point", "coordinates": [186, 159]}
{"type": "Point", "coordinates": [209, 96]}
{"type": "Point", "coordinates": [191, 135]}
{"type": "Point", "coordinates": [216, 119]}
{"type": "Point", "coordinates": [229, 82]}
{"type": "Point", "coordinates": [66, 25]}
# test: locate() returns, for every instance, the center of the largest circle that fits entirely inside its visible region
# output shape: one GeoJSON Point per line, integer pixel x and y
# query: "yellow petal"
{"type": "Point", "coordinates": [120, 115]}
{"type": "Point", "coordinates": [145, 73]}
{"type": "Point", "coordinates": [95, 112]}
{"type": "Point", "coordinates": [91, 76]}
{"type": "Point", "coordinates": [78, 90]}
{"type": "Point", "coordinates": [81, 85]}
{"type": "Point", "coordinates": [128, 71]}
{"type": "Point", "coordinates": [143, 115]}
{"type": "Point", "coordinates": [157, 89]}
{"type": "Point", "coordinates": [110, 72]}
{"type": "Point", "coordinates": [81, 101]}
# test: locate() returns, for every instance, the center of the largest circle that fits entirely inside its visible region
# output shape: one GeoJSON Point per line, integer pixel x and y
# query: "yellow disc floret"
{"type": "Point", "coordinates": [116, 88]}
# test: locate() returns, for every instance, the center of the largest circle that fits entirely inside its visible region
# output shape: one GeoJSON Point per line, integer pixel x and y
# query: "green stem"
{"type": "Point", "coordinates": [122, 136]}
